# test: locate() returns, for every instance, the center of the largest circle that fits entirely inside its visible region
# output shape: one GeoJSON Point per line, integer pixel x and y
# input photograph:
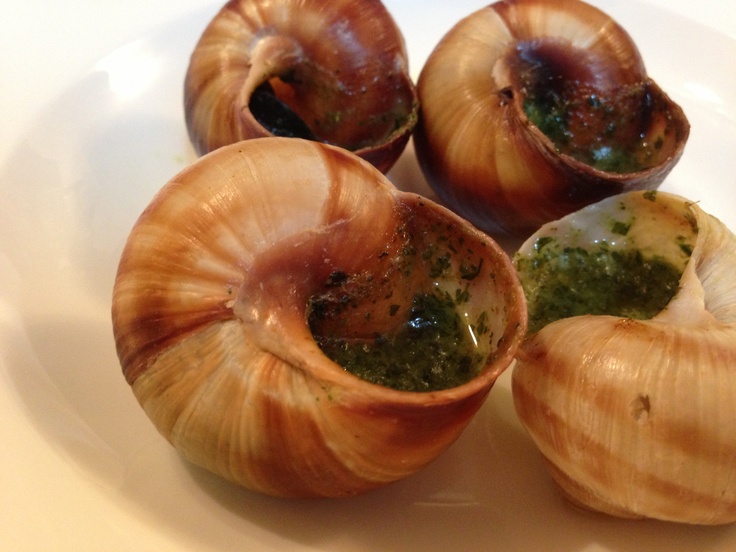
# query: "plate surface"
{"type": "Point", "coordinates": [83, 466]}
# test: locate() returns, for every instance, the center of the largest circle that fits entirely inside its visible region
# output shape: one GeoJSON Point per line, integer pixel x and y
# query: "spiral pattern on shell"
{"type": "Point", "coordinates": [210, 316]}
{"type": "Point", "coordinates": [532, 109]}
{"type": "Point", "coordinates": [333, 72]}
{"type": "Point", "coordinates": [637, 417]}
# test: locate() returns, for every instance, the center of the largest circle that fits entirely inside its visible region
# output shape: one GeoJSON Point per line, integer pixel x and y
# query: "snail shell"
{"type": "Point", "coordinates": [637, 417]}
{"type": "Point", "coordinates": [211, 316]}
{"type": "Point", "coordinates": [294, 68]}
{"type": "Point", "coordinates": [492, 160]}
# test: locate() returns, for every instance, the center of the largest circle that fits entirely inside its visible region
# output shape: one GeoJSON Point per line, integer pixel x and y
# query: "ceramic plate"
{"type": "Point", "coordinates": [80, 454]}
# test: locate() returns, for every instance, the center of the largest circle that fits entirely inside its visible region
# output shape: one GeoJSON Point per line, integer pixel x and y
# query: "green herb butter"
{"type": "Point", "coordinates": [562, 281]}
{"type": "Point", "coordinates": [605, 133]}
{"type": "Point", "coordinates": [431, 350]}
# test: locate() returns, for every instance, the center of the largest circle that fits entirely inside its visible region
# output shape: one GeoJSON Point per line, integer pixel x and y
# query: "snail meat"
{"type": "Point", "coordinates": [296, 68]}
{"type": "Point", "coordinates": [626, 382]}
{"type": "Point", "coordinates": [263, 261]}
{"type": "Point", "coordinates": [532, 109]}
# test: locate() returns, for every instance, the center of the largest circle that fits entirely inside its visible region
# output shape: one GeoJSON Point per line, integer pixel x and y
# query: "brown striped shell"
{"type": "Point", "coordinates": [531, 109]}
{"type": "Point", "coordinates": [637, 418]}
{"type": "Point", "coordinates": [210, 316]}
{"type": "Point", "coordinates": [335, 72]}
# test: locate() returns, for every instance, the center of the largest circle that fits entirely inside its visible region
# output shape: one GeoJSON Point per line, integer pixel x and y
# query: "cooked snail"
{"type": "Point", "coordinates": [627, 387]}
{"type": "Point", "coordinates": [258, 267]}
{"type": "Point", "coordinates": [333, 72]}
{"type": "Point", "coordinates": [531, 109]}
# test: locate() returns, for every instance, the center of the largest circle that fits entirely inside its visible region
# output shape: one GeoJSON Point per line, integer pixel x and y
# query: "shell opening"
{"type": "Point", "coordinates": [617, 127]}
{"type": "Point", "coordinates": [307, 100]}
{"type": "Point", "coordinates": [275, 115]}
{"type": "Point", "coordinates": [430, 321]}
{"type": "Point", "coordinates": [606, 260]}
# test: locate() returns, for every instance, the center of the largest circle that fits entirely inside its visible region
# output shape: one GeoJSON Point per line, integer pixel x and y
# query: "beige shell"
{"type": "Point", "coordinates": [294, 68]}
{"type": "Point", "coordinates": [210, 316]}
{"type": "Point", "coordinates": [637, 418]}
{"type": "Point", "coordinates": [480, 148]}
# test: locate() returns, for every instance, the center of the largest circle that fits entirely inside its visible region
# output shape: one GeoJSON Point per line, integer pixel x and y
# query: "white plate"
{"type": "Point", "coordinates": [82, 468]}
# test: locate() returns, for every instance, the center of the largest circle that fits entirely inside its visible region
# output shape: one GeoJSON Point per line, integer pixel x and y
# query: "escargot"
{"type": "Point", "coordinates": [626, 381]}
{"type": "Point", "coordinates": [532, 109]}
{"type": "Point", "coordinates": [334, 73]}
{"type": "Point", "coordinates": [291, 321]}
